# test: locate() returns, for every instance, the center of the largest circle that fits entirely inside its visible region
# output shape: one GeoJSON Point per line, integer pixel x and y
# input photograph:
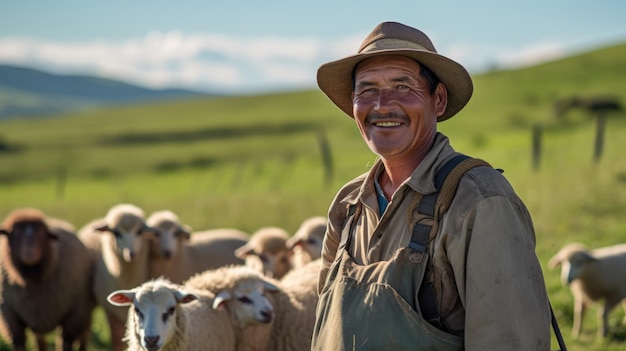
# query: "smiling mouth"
{"type": "Point", "coordinates": [387, 124]}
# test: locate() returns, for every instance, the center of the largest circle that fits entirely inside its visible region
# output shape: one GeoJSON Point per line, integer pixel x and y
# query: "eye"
{"type": "Point", "coordinates": [168, 314]}
{"type": "Point", "coordinates": [138, 313]}
{"type": "Point", "coordinates": [263, 258]}
{"type": "Point", "coordinates": [116, 233]}
{"type": "Point", "coordinates": [244, 299]}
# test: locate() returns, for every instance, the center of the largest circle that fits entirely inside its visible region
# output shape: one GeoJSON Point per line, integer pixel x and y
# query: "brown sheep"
{"type": "Point", "coordinates": [45, 277]}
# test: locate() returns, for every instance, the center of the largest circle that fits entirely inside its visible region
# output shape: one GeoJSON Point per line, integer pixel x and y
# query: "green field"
{"type": "Point", "coordinates": [253, 161]}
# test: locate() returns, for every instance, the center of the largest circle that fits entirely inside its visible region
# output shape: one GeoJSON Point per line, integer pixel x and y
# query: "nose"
{"type": "Point", "coordinates": [384, 100]}
{"type": "Point", "coordinates": [151, 341]}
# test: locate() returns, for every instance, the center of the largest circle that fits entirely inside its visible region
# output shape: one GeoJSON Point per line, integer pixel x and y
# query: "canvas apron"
{"type": "Point", "coordinates": [375, 307]}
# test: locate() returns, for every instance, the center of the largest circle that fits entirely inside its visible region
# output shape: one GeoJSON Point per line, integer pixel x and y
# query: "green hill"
{"type": "Point", "coordinates": [277, 159]}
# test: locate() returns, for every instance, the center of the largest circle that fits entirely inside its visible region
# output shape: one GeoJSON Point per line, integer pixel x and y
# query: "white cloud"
{"type": "Point", "coordinates": [219, 63]}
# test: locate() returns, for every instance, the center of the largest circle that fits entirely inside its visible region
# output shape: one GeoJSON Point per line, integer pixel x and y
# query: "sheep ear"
{"type": "Point", "coordinates": [121, 297]}
{"type": "Point", "coordinates": [183, 297]}
{"type": "Point", "coordinates": [220, 300]}
{"type": "Point", "coordinates": [102, 228]}
{"type": "Point", "coordinates": [184, 232]}
{"type": "Point", "coordinates": [555, 262]}
{"type": "Point", "coordinates": [244, 251]}
{"type": "Point", "coordinates": [292, 242]}
{"type": "Point", "coordinates": [270, 287]}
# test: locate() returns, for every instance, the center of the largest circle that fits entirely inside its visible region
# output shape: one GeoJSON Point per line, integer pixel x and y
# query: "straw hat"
{"type": "Point", "coordinates": [392, 38]}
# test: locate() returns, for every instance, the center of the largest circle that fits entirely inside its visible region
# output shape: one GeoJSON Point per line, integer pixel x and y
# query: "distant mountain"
{"type": "Point", "coordinates": [34, 93]}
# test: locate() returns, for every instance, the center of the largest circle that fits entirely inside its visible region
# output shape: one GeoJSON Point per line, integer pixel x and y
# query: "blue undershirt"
{"type": "Point", "coordinates": [382, 199]}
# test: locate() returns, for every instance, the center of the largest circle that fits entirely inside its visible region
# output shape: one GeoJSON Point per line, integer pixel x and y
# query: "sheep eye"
{"type": "Point", "coordinates": [244, 299]}
{"type": "Point", "coordinates": [263, 258]}
{"type": "Point", "coordinates": [116, 233]}
{"type": "Point", "coordinates": [138, 313]}
{"type": "Point", "coordinates": [169, 313]}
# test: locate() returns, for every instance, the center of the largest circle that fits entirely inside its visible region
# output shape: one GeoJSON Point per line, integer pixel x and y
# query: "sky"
{"type": "Point", "coordinates": [260, 46]}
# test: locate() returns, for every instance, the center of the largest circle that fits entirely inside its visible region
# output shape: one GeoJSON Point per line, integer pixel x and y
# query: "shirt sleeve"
{"type": "Point", "coordinates": [506, 303]}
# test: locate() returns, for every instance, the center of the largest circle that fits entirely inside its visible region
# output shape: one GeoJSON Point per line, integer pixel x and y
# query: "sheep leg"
{"type": "Point", "coordinates": [603, 316]}
{"type": "Point", "coordinates": [118, 329]}
{"type": "Point", "coordinates": [40, 340]}
{"type": "Point", "coordinates": [579, 313]}
{"type": "Point", "coordinates": [624, 307]}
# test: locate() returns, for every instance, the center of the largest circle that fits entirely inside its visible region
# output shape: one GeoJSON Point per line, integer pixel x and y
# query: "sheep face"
{"type": "Point", "coordinates": [28, 237]}
{"type": "Point", "coordinates": [130, 234]}
{"type": "Point", "coordinates": [247, 302]}
{"type": "Point", "coordinates": [266, 252]}
{"type": "Point", "coordinates": [576, 266]}
{"type": "Point", "coordinates": [169, 238]}
{"type": "Point", "coordinates": [309, 237]}
{"type": "Point", "coordinates": [155, 312]}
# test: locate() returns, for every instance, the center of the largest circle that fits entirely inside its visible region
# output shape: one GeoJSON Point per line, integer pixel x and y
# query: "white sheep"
{"type": "Point", "coordinates": [45, 275]}
{"type": "Point", "coordinates": [593, 275]}
{"type": "Point", "coordinates": [293, 300]}
{"type": "Point", "coordinates": [119, 243]}
{"type": "Point", "coordinates": [266, 251]}
{"type": "Point", "coordinates": [306, 243]}
{"type": "Point", "coordinates": [209, 312]}
{"type": "Point", "coordinates": [178, 253]}
{"type": "Point", "coordinates": [295, 303]}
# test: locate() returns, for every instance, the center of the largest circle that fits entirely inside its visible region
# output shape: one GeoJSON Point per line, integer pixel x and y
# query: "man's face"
{"type": "Point", "coordinates": [393, 108]}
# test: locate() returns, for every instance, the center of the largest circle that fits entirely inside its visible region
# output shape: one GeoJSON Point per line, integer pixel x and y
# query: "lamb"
{"type": "Point", "coordinates": [119, 245]}
{"type": "Point", "coordinates": [178, 253]}
{"type": "Point", "coordinates": [194, 316]}
{"type": "Point", "coordinates": [593, 275]}
{"type": "Point", "coordinates": [306, 243]}
{"type": "Point", "coordinates": [266, 251]}
{"type": "Point", "coordinates": [45, 278]}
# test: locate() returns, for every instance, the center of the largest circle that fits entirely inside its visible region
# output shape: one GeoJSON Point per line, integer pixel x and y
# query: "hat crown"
{"type": "Point", "coordinates": [393, 36]}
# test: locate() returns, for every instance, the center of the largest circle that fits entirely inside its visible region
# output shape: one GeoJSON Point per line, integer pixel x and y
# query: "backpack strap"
{"type": "Point", "coordinates": [435, 205]}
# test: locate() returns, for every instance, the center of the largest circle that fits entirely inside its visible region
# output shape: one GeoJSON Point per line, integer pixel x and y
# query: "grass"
{"type": "Point", "coordinates": [254, 161]}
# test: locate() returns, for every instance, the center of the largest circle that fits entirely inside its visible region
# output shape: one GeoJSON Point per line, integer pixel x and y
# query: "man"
{"type": "Point", "coordinates": [475, 283]}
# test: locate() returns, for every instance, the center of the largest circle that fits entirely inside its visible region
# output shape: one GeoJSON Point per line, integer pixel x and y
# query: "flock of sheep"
{"type": "Point", "coordinates": [162, 286]}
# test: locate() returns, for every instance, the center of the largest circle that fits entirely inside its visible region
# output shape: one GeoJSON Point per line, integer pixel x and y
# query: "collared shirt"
{"type": "Point", "coordinates": [485, 272]}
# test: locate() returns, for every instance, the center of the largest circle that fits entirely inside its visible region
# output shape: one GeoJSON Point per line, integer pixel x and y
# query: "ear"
{"type": "Point", "coordinates": [149, 232]}
{"type": "Point", "coordinates": [184, 232]}
{"type": "Point", "coordinates": [244, 251]}
{"type": "Point", "coordinates": [184, 297]}
{"type": "Point", "coordinates": [121, 297]}
{"type": "Point", "coordinates": [555, 262]}
{"type": "Point", "coordinates": [441, 99]}
{"type": "Point", "coordinates": [293, 242]}
{"type": "Point", "coordinates": [102, 228]}
{"type": "Point", "coordinates": [220, 300]}
{"type": "Point", "coordinates": [270, 287]}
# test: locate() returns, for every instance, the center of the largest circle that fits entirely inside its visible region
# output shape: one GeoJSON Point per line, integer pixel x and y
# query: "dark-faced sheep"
{"type": "Point", "coordinates": [593, 275]}
{"type": "Point", "coordinates": [45, 281]}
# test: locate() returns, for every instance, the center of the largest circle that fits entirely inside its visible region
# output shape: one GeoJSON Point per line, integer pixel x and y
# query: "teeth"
{"type": "Point", "coordinates": [387, 124]}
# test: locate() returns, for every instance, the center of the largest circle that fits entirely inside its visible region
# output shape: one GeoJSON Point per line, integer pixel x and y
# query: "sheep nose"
{"type": "Point", "coordinates": [267, 315]}
{"type": "Point", "coordinates": [167, 254]}
{"type": "Point", "coordinates": [151, 341]}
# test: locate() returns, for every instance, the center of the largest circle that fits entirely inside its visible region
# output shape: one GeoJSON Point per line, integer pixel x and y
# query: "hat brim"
{"type": "Point", "coordinates": [335, 78]}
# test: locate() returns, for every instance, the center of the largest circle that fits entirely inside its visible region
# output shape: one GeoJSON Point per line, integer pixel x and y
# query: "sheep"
{"type": "Point", "coordinates": [306, 243]}
{"type": "Point", "coordinates": [45, 278]}
{"type": "Point", "coordinates": [178, 253]}
{"type": "Point", "coordinates": [266, 251]}
{"type": "Point", "coordinates": [168, 317]}
{"type": "Point", "coordinates": [593, 275]}
{"type": "Point", "coordinates": [293, 299]}
{"type": "Point", "coordinates": [295, 303]}
{"type": "Point", "coordinates": [119, 244]}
